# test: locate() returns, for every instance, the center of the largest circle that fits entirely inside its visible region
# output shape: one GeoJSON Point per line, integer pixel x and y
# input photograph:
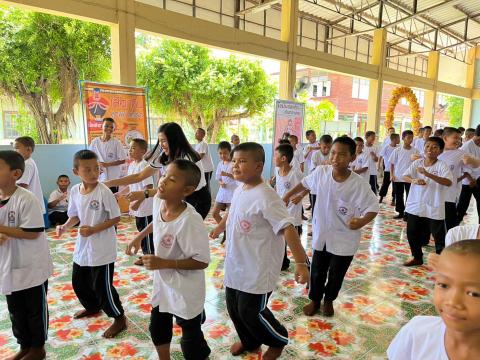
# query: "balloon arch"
{"type": "Point", "coordinates": [397, 94]}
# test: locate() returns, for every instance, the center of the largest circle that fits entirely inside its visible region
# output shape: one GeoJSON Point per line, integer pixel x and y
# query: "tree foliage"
{"type": "Point", "coordinates": [185, 80]}
{"type": "Point", "coordinates": [454, 110]}
{"type": "Point", "coordinates": [316, 112]}
{"type": "Point", "coordinates": [42, 57]}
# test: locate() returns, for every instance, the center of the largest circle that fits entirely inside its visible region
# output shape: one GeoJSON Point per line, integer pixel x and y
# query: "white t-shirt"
{"type": "Point", "coordinates": [31, 178]}
{"type": "Point", "coordinates": [180, 292]}
{"type": "Point", "coordinates": [471, 148]}
{"type": "Point", "coordinates": [427, 200]}
{"type": "Point", "coordinates": [298, 155]}
{"type": "Point", "coordinates": [385, 153]}
{"type": "Point", "coordinates": [462, 232]}
{"type": "Point", "coordinates": [202, 148]}
{"type": "Point", "coordinates": [23, 263]}
{"type": "Point", "coordinates": [372, 165]}
{"type": "Point", "coordinates": [318, 158]}
{"type": "Point", "coordinates": [155, 163]}
{"type": "Point", "coordinates": [62, 206]}
{"type": "Point", "coordinates": [109, 151]}
{"type": "Point", "coordinates": [225, 194]}
{"type": "Point", "coordinates": [422, 338]}
{"type": "Point", "coordinates": [255, 246]}
{"type": "Point", "coordinates": [362, 161]}
{"type": "Point", "coordinates": [453, 159]}
{"type": "Point", "coordinates": [419, 144]}
{"type": "Point", "coordinates": [92, 209]}
{"type": "Point", "coordinates": [285, 184]}
{"type": "Point", "coordinates": [308, 158]}
{"type": "Point", "coordinates": [340, 202]}
{"type": "Point", "coordinates": [401, 159]}
{"type": "Point", "coordinates": [146, 207]}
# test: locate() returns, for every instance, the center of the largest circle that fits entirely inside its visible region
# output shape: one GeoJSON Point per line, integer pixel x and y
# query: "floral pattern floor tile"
{"type": "Point", "coordinates": [378, 296]}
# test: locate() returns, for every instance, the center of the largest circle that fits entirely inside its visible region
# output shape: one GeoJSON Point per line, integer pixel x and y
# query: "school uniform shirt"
{"type": "Point", "coordinates": [92, 209]}
{"type": "Point", "coordinates": [340, 202]}
{"type": "Point", "coordinates": [427, 200]}
{"type": "Point", "coordinates": [298, 155]}
{"type": "Point", "coordinates": [23, 263]}
{"type": "Point", "coordinates": [62, 206]}
{"type": "Point", "coordinates": [419, 144]}
{"type": "Point", "coordinates": [372, 165]}
{"type": "Point", "coordinates": [225, 194]}
{"type": "Point", "coordinates": [471, 148]}
{"type": "Point", "coordinates": [462, 232]}
{"type": "Point", "coordinates": [179, 292]}
{"type": "Point", "coordinates": [285, 184]}
{"type": "Point", "coordinates": [453, 159]}
{"type": "Point", "coordinates": [255, 246]}
{"type": "Point", "coordinates": [423, 338]}
{"type": "Point", "coordinates": [146, 207]}
{"type": "Point", "coordinates": [360, 162]}
{"type": "Point", "coordinates": [108, 151]}
{"type": "Point", "coordinates": [202, 148]}
{"type": "Point", "coordinates": [385, 153]}
{"type": "Point", "coordinates": [401, 159]}
{"type": "Point", "coordinates": [318, 158]}
{"type": "Point", "coordinates": [155, 163]}
{"type": "Point", "coordinates": [308, 158]}
{"type": "Point", "coordinates": [31, 178]}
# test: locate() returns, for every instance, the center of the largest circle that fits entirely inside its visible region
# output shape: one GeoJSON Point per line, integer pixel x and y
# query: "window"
{"type": "Point", "coordinates": [9, 128]}
{"type": "Point", "coordinates": [420, 97]}
{"type": "Point", "coordinates": [360, 88]}
{"type": "Point", "coordinates": [321, 88]}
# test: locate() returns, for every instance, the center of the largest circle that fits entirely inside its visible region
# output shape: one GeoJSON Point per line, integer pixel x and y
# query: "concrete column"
{"type": "Point", "coordinates": [288, 34]}
{"type": "Point", "coordinates": [471, 105]}
{"type": "Point", "coordinates": [431, 95]}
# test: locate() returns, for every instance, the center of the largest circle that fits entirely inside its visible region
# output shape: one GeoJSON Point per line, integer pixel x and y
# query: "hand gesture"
{"type": "Point", "coordinates": [473, 183]}
{"type": "Point", "coordinates": [415, 157]}
{"type": "Point", "coordinates": [421, 170]}
{"type": "Point", "coordinates": [153, 262]}
{"type": "Point", "coordinates": [86, 230]}
{"type": "Point", "coordinates": [372, 154]}
{"type": "Point", "coordinates": [419, 182]}
{"type": "Point", "coordinates": [135, 195]}
{"type": "Point", "coordinates": [134, 245]}
{"type": "Point", "coordinates": [394, 178]}
{"type": "Point", "coordinates": [3, 239]}
{"type": "Point", "coordinates": [60, 230]}
{"type": "Point", "coordinates": [215, 233]}
{"type": "Point", "coordinates": [355, 223]}
{"type": "Point", "coordinates": [63, 197]}
{"type": "Point", "coordinates": [469, 160]}
{"type": "Point", "coordinates": [134, 205]}
{"type": "Point", "coordinates": [301, 273]}
{"type": "Point", "coordinates": [296, 200]}
{"type": "Point", "coordinates": [286, 200]}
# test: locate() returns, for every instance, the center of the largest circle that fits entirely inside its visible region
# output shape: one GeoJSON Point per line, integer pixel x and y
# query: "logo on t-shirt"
{"type": "Point", "coordinates": [343, 210]}
{"type": "Point", "coordinates": [288, 185]}
{"type": "Point", "coordinates": [11, 217]}
{"type": "Point", "coordinates": [110, 155]}
{"type": "Point", "coordinates": [167, 241]}
{"type": "Point", "coordinates": [435, 172]}
{"type": "Point", "coordinates": [245, 226]}
{"type": "Point", "coordinates": [94, 205]}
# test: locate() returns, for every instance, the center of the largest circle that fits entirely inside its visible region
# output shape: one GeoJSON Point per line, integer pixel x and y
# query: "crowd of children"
{"type": "Point", "coordinates": [432, 178]}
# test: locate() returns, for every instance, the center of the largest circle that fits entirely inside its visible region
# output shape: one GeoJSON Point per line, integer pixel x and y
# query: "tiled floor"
{"type": "Point", "coordinates": [377, 298]}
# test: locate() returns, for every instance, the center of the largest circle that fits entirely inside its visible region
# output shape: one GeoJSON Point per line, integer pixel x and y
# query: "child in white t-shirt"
{"type": "Point", "coordinates": [257, 224]}
{"type": "Point", "coordinates": [385, 154]}
{"type": "Point", "coordinates": [455, 334]}
{"type": "Point", "coordinates": [287, 177]}
{"type": "Point", "coordinates": [181, 255]}
{"type": "Point", "coordinates": [348, 205]}
{"type": "Point", "coordinates": [110, 152]}
{"type": "Point", "coordinates": [362, 159]}
{"type": "Point", "coordinates": [93, 205]}
{"type": "Point", "coordinates": [58, 202]}
{"type": "Point", "coordinates": [226, 181]}
{"type": "Point", "coordinates": [298, 157]}
{"type": "Point", "coordinates": [141, 209]}
{"type": "Point", "coordinates": [372, 150]}
{"type": "Point", "coordinates": [419, 143]}
{"type": "Point", "coordinates": [320, 157]}
{"type": "Point", "coordinates": [430, 179]}
{"type": "Point", "coordinates": [25, 262]}
{"type": "Point", "coordinates": [202, 149]}
{"type": "Point", "coordinates": [30, 179]}
{"type": "Point", "coordinates": [400, 160]}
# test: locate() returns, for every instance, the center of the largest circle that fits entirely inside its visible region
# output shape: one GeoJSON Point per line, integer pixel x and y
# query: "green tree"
{"type": "Point", "coordinates": [42, 57]}
{"type": "Point", "coordinates": [316, 112]}
{"type": "Point", "coordinates": [185, 80]}
{"type": "Point", "coordinates": [454, 110]}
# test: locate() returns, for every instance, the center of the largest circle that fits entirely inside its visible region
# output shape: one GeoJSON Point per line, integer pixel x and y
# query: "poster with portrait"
{"type": "Point", "coordinates": [288, 118]}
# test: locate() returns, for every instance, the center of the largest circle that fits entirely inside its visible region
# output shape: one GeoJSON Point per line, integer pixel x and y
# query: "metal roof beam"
{"type": "Point", "coordinates": [267, 4]}
{"type": "Point", "coordinates": [355, 13]}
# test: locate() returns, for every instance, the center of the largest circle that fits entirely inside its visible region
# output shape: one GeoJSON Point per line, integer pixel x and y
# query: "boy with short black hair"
{"type": "Point", "coordinates": [469, 134]}
{"type": "Point", "coordinates": [385, 154]}
{"type": "Point", "coordinates": [25, 260]}
{"type": "Point", "coordinates": [320, 157]}
{"type": "Point", "coordinates": [110, 152]}
{"type": "Point", "coordinates": [349, 206]}
{"type": "Point", "coordinates": [400, 160]}
{"type": "Point", "coordinates": [235, 140]}
{"type": "Point", "coordinates": [455, 334]}
{"type": "Point", "coordinates": [58, 202]}
{"type": "Point", "coordinates": [453, 157]}
{"type": "Point", "coordinates": [181, 255]}
{"type": "Point", "coordinates": [141, 209]}
{"type": "Point", "coordinates": [360, 164]}
{"type": "Point", "coordinates": [30, 180]}
{"type": "Point", "coordinates": [298, 157]}
{"type": "Point", "coordinates": [430, 179]}
{"type": "Point", "coordinates": [257, 224]}
{"type": "Point", "coordinates": [202, 149]}
{"type": "Point", "coordinates": [93, 205]}
{"type": "Point", "coordinates": [420, 142]}
{"type": "Point", "coordinates": [287, 177]}
{"type": "Point", "coordinates": [372, 150]}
